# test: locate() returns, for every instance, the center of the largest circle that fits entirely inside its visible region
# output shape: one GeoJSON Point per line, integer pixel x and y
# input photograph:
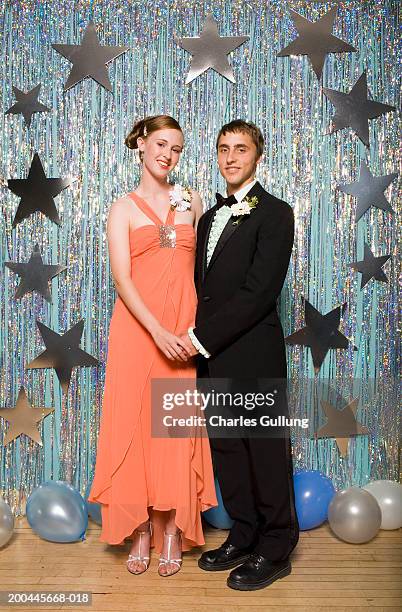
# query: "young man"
{"type": "Point", "coordinates": [240, 271]}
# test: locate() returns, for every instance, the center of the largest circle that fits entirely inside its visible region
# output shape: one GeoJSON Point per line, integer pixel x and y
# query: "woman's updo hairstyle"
{"type": "Point", "coordinates": [144, 127]}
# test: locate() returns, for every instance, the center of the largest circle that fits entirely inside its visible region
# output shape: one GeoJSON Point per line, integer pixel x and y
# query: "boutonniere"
{"type": "Point", "coordinates": [240, 209]}
{"type": "Point", "coordinates": [180, 198]}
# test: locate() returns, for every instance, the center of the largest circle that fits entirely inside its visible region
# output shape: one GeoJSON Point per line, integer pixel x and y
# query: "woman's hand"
{"type": "Point", "coordinates": [173, 347]}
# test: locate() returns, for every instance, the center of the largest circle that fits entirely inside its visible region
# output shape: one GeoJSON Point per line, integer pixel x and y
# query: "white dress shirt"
{"type": "Point", "coordinates": [221, 217]}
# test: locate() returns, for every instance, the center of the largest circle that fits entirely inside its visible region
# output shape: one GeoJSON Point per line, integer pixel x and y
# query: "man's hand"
{"type": "Point", "coordinates": [190, 348]}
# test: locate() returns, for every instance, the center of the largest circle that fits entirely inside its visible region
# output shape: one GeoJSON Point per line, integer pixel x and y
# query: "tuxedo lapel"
{"type": "Point", "coordinates": [204, 241]}
{"type": "Point", "coordinates": [229, 229]}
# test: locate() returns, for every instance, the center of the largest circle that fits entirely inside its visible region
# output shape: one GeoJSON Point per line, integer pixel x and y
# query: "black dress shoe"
{"type": "Point", "coordinates": [257, 572]}
{"type": "Point", "coordinates": [225, 557]}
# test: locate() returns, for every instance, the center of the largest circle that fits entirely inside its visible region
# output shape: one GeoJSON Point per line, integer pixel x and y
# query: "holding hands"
{"type": "Point", "coordinates": [179, 348]}
{"type": "Point", "coordinates": [190, 348]}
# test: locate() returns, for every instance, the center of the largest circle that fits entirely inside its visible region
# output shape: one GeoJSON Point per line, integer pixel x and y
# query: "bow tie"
{"type": "Point", "coordinates": [221, 201]}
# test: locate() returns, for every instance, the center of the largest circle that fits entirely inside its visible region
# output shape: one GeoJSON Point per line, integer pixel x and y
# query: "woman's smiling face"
{"type": "Point", "coordinates": [161, 151]}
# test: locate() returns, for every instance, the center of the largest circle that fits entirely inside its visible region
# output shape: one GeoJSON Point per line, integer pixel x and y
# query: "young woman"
{"type": "Point", "coordinates": [152, 489]}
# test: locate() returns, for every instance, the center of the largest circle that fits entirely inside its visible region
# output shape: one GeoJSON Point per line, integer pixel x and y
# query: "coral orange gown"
{"type": "Point", "coordinates": [135, 471]}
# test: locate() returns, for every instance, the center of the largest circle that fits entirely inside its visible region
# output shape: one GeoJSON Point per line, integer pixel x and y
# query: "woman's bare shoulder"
{"type": "Point", "coordinates": [121, 206]}
{"type": "Point", "coordinates": [122, 202]}
{"type": "Point", "coordinates": [196, 201]}
{"type": "Point", "coordinates": [120, 211]}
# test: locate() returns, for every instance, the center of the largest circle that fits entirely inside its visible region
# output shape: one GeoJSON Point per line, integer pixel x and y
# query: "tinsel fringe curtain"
{"type": "Point", "coordinates": [83, 137]}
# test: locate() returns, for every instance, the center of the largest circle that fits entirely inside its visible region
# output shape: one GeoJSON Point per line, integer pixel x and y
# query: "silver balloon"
{"type": "Point", "coordinates": [354, 515]}
{"type": "Point", "coordinates": [57, 512]}
{"type": "Point", "coordinates": [6, 522]}
{"type": "Point", "coordinates": [389, 497]}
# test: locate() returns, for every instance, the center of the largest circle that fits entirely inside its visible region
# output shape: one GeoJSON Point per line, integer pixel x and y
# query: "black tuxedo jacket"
{"type": "Point", "coordinates": [237, 320]}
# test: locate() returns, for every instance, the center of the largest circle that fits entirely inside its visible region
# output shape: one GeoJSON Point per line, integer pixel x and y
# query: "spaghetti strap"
{"type": "Point", "coordinates": [148, 212]}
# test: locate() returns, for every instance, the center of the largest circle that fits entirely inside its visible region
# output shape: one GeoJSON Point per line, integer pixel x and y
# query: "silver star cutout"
{"type": "Point", "coordinates": [209, 50]}
{"type": "Point", "coordinates": [315, 40]}
{"type": "Point", "coordinates": [355, 109]}
{"type": "Point", "coordinates": [27, 104]}
{"type": "Point", "coordinates": [89, 59]}
{"type": "Point", "coordinates": [321, 333]}
{"type": "Point", "coordinates": [37, 193]}
{"type": "Point", "coordinates": [35, 275]}
{"type": "Point", "coordinates": [369, 190]}
{"type": "Point", "coordinates": [62, 353]}
{"type": "Point", "coordinates": [370, 267]}
{"type": "Point", "coordinates": [341, 424]}
{"type": "Point", "coordinates": [24, 419]}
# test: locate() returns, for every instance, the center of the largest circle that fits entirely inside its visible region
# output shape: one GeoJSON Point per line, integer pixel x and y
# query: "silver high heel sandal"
{"type": "Point", "coordinates": [139, 557]}
{"type": "Point", "coordinates": [164, 561]}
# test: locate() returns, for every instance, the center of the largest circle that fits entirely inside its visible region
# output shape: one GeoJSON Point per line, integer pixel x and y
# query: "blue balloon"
{"type": "Point", "coordinates": [94, 509]}
{"type": "Point", "coordinates": [57, 512]}
{"type": "Point", "coordinates": [218, 517]}
{"type": "Point", "coordinates": [313, 493]}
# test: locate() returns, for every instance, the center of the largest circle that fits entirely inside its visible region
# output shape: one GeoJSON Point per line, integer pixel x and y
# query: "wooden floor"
{"type": "Point", "coordinates": [327, 575]}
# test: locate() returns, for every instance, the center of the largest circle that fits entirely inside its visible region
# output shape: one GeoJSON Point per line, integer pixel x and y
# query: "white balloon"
{"type": "Point", "coordinates": [389, 497]}
{"type": "Point", "coordinates": [6, 522]}
{"type": "Point", "coordinates": [354, 515]}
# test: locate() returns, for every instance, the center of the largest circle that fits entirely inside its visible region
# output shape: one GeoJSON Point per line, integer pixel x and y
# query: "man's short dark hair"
{"type": "Point", "coordinates": [238, 125]}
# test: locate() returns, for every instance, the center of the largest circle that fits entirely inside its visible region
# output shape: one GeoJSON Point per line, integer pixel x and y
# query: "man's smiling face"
{"type": "Point", "coordinates": [237, 159]}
